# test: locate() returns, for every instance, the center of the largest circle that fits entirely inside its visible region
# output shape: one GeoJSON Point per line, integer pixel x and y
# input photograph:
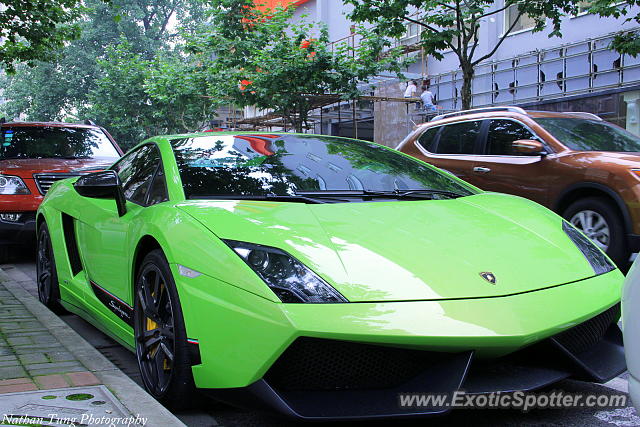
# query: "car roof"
{"type": "Point", "coordinates": [49, 124]}
{"type": "Point", "coordinates": [513, 112]}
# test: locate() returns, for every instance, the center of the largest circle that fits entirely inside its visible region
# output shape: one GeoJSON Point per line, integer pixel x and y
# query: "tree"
{"type": "Point", "coordinates": [31, 30]}
{"type": "Point", "coordinates": [454, 25]}
{"type": "Point", "coordinates": [262, 58]}
{"type": "Point", "coordinates": [624, 42]}
{"type": "Point", "coordinates": [74, 85]}
{"type": "Point", "coordinates": [138, 97]}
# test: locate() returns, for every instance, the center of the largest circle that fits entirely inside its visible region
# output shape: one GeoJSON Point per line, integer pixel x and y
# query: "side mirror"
{"type": "Point", "coordinates": [528, 147]}
{"type": "Point", "coordinates": [102, 185]}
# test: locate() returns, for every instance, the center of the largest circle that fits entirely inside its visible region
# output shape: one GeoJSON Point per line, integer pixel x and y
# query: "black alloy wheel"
{"type": "Point", "coordinates": [160, 335]}
{"type": "Point", "coordinates": [46, 273]}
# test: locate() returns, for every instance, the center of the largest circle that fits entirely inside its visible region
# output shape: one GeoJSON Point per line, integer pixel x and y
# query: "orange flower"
{"type": "Point", "coordinates": [311, 55]}
{"type": "Point", "coordinates": [246, 82]}
{"type": "Point", "coordinates": [305, 44]}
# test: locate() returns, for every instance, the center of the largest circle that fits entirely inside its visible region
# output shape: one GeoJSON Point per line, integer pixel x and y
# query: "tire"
{"type": "Point", "coordinates": [46, 272]}
{"type": "Point", "coordinates": [596, 212]}
{"type": "Point", "coordinates": [160, 335]}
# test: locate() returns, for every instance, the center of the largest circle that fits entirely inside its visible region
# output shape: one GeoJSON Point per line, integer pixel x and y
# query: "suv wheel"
{"type": "Point", "coordinates": [598, 219]}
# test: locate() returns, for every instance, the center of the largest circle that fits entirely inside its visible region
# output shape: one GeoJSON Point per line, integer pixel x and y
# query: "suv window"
{"type": "Point", "coordinates": [458, 138]}
{"type": "Point", "coordinates": [136, 171]}
{"type": "Point", "coordinates": [428, 139]}
{"type": "Point", "coordinates": [590, 135]}
{"type": "Point", "coordinates": [40, 142]}
{"type": "Point", "coordinates": [502, 133]}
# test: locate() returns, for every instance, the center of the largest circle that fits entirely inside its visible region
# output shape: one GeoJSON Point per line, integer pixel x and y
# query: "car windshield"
{"type": "Point", "coordinates": [284, 165]}
{"type": "Point", "coordinates": [589, 135]}
{"type": "Point", "coordinates": [31, 142]}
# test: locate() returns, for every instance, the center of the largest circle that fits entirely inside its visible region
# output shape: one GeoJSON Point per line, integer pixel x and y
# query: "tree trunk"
{"type": "Point", "coordinates": [467, 78]}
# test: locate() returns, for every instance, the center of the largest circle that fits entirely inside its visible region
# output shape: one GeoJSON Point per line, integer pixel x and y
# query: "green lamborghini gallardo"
{"type": "Point", "coordinates": [321, 276]}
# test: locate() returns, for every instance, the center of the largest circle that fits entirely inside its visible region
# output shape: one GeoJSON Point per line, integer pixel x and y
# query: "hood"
{"type": "Point", "coordinates": [618, 157]}
{"type": "Point", "coordinates": [25, 168]}
{"type": "Point", "coordinates": [410, 250]}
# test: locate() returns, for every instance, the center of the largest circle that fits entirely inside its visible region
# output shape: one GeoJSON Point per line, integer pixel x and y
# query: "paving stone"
{"type": "Point", "coordinates": [5, 351]}
{"type": "Point", "coordinates": [82, 378]}
{"type": "Point", "coordinates": [23, 333]}
{"type": "Point", "coordinates": [15, 381]}
{"type": "Point", "coordinates": [17, 388]}
{"type": "Point", "coordinates": [20, 341]}
{"type": "Point", "coordinates": [57, 370]}
{"type": "Point", "coordinates": [31, 366]}
{"type": "Point", "coordinates": [39, 348]}
{"type": "Point", "coordinates": [51, 381]}
{"type": "Point", "coordinates": [8, 358]}
{"type": "Point", "coordinates": [9, 372]}
{"type": "Point", "coordinates": [59, 356]}
{"type": "Point", "coordinates": [34, 358]}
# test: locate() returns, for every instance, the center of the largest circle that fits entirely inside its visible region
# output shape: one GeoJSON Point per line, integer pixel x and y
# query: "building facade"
{"type": "Point", "coordinates": [575, 72]}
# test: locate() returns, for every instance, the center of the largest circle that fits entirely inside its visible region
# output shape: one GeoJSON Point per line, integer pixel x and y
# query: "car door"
{"type": "Point", "coordinates": [103, 235]}
{"type": "Point", "coordinates": [500, 169]}
{"type": "Point", "coordinates": [452, 147]}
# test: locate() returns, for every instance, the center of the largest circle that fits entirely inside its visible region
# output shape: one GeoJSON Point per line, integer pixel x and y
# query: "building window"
{"type": "Point", "coordinates": [412, 30]}
{"type": "Point", "coordinates": [524, 22]}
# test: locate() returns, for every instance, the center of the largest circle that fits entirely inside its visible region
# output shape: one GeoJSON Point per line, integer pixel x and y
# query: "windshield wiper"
{"type": "Point", "coordinates": [270, 197]}
{"type": "Point", "coordinates": [394, 194]}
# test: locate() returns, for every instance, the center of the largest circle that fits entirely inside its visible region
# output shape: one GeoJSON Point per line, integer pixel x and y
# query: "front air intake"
{"type": "Point", "coordinates": [320, 364]}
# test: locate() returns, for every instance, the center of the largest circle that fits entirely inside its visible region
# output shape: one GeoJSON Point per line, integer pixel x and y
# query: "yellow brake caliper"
{"type": "Point", "coordinates": [151, 325]}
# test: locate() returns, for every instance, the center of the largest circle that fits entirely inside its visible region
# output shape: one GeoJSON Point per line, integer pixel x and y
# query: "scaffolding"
{"type": "Point", "coordinates": [541, 75]}
{"type": "Point", "coordinates": [326, 108]}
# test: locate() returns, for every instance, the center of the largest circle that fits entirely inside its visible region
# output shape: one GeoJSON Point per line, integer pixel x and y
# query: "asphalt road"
{"type": "Point", "coordinates": [211, 413]}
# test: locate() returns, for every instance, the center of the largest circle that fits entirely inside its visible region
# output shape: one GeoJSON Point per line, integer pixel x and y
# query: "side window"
{"type": "Point", "coordinates": [158, 191]}
{"type": "Point", "coordinates": [458, 138]}
{"type": "Point", "coordinates": [136, 171]}
{"type": "Point", "coordinates": [502, 133]}
{"type": "Point", "coordinates": [428, 139]}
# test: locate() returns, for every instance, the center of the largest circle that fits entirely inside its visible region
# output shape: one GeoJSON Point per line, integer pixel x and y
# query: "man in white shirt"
{"type": "Point", "coordinates": [410, 91]}
{"type": "Point", "coordinates": [428, 100]}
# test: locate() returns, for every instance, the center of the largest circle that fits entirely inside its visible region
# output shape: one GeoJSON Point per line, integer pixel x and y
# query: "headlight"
{"type": "Point", "coordinates": [287, 277]}
{"type": "Point", "coordinates": [10, 184]}
{"type": "Point", "coordinates": [598, 260]}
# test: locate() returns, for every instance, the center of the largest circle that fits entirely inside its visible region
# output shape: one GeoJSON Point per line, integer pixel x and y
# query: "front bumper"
{"type": "Point", "coordinates": [22, 231]}
{"type": "Point", "coordinates": [336, 380]}
{"type": "Point", "coordinates": [241, 337]}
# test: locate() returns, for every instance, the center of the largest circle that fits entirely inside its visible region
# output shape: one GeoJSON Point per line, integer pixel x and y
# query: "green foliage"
{"type": "Point", "coordinates": [626, 43]}
{"type": "Point", "coordinates": [82, 82]}
{"type": "Point", "coordinates": [455, 25]}
{"type": "Point", "coordinates": [141, 97]}
{"type": "Point", "coordinates": [269, 60]}
{"type": "Point", "coordinates": [31, 30]}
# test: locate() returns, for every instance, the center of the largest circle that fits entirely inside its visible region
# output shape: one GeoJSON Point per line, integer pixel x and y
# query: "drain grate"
{"type": "Point", "coordinates": [78, 406]}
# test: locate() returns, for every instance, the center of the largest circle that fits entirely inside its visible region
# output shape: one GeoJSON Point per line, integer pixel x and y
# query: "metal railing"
{"type": "Point", "coordinates": [576, 68]}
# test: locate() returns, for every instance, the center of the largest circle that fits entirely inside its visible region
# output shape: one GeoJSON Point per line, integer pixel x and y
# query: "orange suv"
{"type": "Point", "coordinates": [582, 167]}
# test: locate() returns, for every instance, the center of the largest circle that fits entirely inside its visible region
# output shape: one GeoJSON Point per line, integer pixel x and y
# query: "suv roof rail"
{"type": "Point", "coordinates": [586, 115]}
{"type": "Point", "coordinates": [89, 122]}
{"type": "Point", "coordinates": [479, 110]}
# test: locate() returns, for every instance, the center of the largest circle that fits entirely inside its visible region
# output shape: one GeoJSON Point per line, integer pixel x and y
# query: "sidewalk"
{"type": "Point", "coordinates": [38, 351]}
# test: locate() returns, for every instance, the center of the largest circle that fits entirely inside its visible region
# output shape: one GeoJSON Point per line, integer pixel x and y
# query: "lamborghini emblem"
{"type": "Point", "coordinates": [489, 277]}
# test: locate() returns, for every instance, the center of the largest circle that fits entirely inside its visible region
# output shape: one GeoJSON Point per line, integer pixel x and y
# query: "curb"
{"type": "Point", "coordinates": [130, 394]}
